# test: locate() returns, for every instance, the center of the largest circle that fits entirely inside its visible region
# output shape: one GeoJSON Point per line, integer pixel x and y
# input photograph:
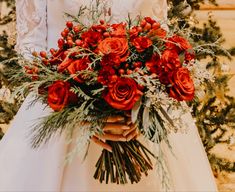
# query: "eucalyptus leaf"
{"type": "Point", "coordinates": [135, 111]}
{"type": "Point", "coordinates": [146, 122]}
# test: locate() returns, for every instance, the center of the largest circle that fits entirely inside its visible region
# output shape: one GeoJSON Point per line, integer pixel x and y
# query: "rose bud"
{"type": "Point", "coordinates": [69, 24]}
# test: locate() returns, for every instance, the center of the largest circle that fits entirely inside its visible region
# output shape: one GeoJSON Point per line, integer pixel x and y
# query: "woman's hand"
{"type": "Point", "coordinates": [117, 128]}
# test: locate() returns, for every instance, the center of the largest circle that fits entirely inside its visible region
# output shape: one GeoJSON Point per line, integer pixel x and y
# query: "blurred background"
{"type": "Point", "coordinates": [212, 22]}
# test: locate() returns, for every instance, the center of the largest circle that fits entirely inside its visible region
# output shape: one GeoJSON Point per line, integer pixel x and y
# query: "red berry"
{"type": "Point", "coordinates": [26, 67]}
{"type": "Point", "coordinates": [76, 29]}
{"type": "Point", "coordinates": [147, 27]}
{"type": "Point", "coordinates": [69, 24]}
{"type": "Point", "coordinates": [29, 71]}
{"type": "Point", "coordinates": [137, 69]}
{"type": "Point", "coordinates": [34, 53]}
{"type": "Point", "coordinates": [114, 78]}
{"type": "Point", "coordinates": [45, 61]}
{"type": "Point", "coordinates": [106, 34]}
{"type": "Point", "coordinates": [66, 53]}
{"type": "Point", "coordinates": [70, 43]}
{"type": "Point", "coordinates": [143, 23]}
{"type": "Point", "coordinates": [129, 72]}
{"type": "Point", "coordinates": [52, 51]}
{"type": "Point", "coordinates": [140, 29]}
{"type": "Point", "coordinates": [35, 70]}
{"type": "Point", "coordinates": [137, 64]}
{"type": "Point", "coordinates": [63, 34]}
{"type": "Point", "coordinates": [69, 38]}
{"type": "Point", "coordinates": [66, 30]}
{"type": "Point", "coordinates": [102, 22]}
{"type": "Point", "coordinates": [78, 42]}
{"type": "Point", "coordinates": [121, 71]}
{"type": "Point", "coordinates": [126, 65]}
{"type": "Point", "coordinates": [43, 54]}
{"type": "Point", "coordinates": [156, 25]}
{"type": "Point", "coordinates": [61, 43]}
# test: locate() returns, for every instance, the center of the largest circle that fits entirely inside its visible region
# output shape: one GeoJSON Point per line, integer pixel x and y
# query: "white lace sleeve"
{"type": "Point", "coordinates": [31, 22]}
{"type": "Point", "coordinates": [160, 9]}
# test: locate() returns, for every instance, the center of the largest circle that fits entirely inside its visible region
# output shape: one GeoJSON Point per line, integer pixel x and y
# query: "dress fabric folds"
{"type": "Point", "coordinates": [22, 168]}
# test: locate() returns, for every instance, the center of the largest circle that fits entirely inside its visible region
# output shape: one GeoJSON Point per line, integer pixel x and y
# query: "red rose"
{"type": "Point", "coordinates": [106, 75]}
{"type": "Point", "coordinates": [122, 94]}
{"type": "Point", "coordinates": [111, 59]}
{"type": "Point", "coordinates": [115, 45]}
{"type": "Point", "coordinates": [170, 60]}
{"type": "Point", "coordinates": [142, 43]}
{"type": "Point", "coordinates": [154, 64]}
{"type": "Point", "coordinates": [78, 65]}
{"type": "Point", "coordinates": [59, 95]}
{"type": "Point", "coordinates": [182, 88]}
{"type": "Point", "coordinates": [92, 38]}
{"type": "Point", "coordinates": [178, 43]}
{"type": "Point", "coordinates": [118, 30]}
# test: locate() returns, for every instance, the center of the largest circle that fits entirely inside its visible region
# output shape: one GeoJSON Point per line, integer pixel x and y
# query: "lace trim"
{"type": "Point", "coordinates": [31, 25]}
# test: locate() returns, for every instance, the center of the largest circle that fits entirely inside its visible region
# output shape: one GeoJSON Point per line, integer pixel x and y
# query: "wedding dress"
{"type": "Point", "coordinates": [22, 168]}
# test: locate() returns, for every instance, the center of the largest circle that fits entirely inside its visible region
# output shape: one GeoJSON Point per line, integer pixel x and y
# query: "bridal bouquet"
{"type": "Point", "coordinates": [102, 70]}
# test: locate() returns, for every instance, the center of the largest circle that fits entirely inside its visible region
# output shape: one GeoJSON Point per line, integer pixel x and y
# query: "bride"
{"type": "Point", "coordinates": [22, 168]}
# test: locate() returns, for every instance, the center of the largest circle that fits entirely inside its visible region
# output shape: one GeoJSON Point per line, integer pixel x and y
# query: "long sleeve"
{"type": "Point", "coordinates": [159, 9]}
{"type": "Point", "coordinates": [31, 22]}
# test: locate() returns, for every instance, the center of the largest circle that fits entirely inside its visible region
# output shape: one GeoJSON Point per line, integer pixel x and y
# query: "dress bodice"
{"type": "Point", "coordinates": [39, 22]}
